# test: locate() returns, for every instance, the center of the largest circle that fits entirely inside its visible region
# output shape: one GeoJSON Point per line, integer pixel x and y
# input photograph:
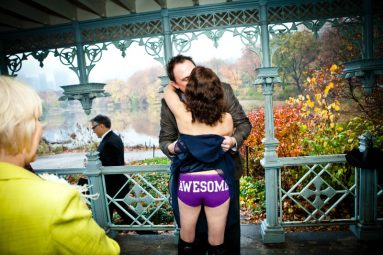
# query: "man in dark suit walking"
{"type": "Point", "coordinates": [178, 70]}
{"type": "Point", "coordinates": [111, 153]}
{"type": "Point", "coordinates": [111, 147]}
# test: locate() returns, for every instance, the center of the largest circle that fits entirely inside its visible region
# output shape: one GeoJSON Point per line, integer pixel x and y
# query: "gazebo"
{"type": "Point", "coordinates": [74, 30]}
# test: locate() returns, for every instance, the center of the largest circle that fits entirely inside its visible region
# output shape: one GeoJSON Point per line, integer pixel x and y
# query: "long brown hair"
{"type": "Point", "coordinates": [204, 96]}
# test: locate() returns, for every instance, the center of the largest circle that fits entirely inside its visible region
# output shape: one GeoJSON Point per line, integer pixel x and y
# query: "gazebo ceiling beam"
{"type": "Point", "coordinates": [25, 11]}
{"type": "Point", "coordinates": [97, 7]}
{"type": "Point", "coordinates": [162, 3]}
{"type": "Point", "coordinates": [62, 8]}
{"type": "Point", "coordinates": [10, 21]}
{"type": "Point", "coordinates": [128, 4]}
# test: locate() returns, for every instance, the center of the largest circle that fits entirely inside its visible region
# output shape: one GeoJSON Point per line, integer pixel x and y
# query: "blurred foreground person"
{"type": "Point", "coordinates": [38, 216]}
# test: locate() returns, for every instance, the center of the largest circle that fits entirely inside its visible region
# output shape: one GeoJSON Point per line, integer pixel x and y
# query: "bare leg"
{"type": "Point", "coordinates": [216, 222]}
{"type": "Point", "coordinates": [188, 220]}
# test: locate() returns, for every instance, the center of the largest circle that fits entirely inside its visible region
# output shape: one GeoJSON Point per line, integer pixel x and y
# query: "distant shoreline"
{"type": "Point", "coordinates": [71, 159]}
{"type": "Point", "coordinates": [126, 149]}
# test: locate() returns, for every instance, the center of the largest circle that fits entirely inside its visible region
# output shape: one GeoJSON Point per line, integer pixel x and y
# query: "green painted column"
{"type": "Point", "coordinates": [82, 74]}
{"type": "Point", "coordinates": [368, 68]}
{"type": "Point", "coordinates": [271, 229]}
{"type": "Point", "coordinates": [168, 51]}
{"type": "Point", "coordinates": [367, 227]}
{"type": "Point", "coordinates": [93, 172]}
{"type": "Point", "coordinates": [368, 30]}
{"type": "Point", "coordinates": [168, 46]}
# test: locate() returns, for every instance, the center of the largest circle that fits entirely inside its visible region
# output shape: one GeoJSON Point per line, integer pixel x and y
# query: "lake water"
{"type": "Point", "coordinates": [69, 126]}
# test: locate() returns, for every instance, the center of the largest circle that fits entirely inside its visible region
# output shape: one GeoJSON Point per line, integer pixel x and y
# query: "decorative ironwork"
{"type": "Point", "coordinates": [182, 42]}
{"type": "Point", "coordinates": [366, 70]}
{"type": "Point", "coordinates": [316, 196]}
{"type": "Point", "coordinates": [154, 46]}
{"type": "Point", "coordinates": [313, 11]}
{"type": "Point", "coordinates": [121, 32]}
{"type": "Point", "coordinates": [40, 56]}
{"type": "Point", "coordinates": [93, 54]}
{"type": "Point", "coordinates": [143, 198]}
{"type": "Point", "coordinates": [85, 93]}
{"type": "Point", "coordinates": [38, 41]}
{"type": "Point", "coordinates": [267, 75]}
{"type": "Point", "coordinates": [67, 57]}
{"type": "Point", "coordinates": [318, 192]}
{"type": "Point", "coordinates": [214, 20]}
{"type": "Point", "coordinates": [120, 29]}
{"type": "Point", "coordinates": [249, 37]}
{"type": "Point", "coordinates": [146, 198]}
{"type": "Point", "coordinates": [123, 45]}
{"type": "Point", "coordinates": [148, 202]}
{"type": "Point", "coordinates": [15, 62]}
{"type": "Point", "coordinates": [214, 35]}
{"type": "Point", "coordinates": [346, 24]}
{"type": "Point", "coordinates": [350, 28]}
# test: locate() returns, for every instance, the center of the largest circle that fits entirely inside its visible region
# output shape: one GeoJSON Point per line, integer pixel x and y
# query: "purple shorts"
{"type": "Point", "coordinates": [203, 189]}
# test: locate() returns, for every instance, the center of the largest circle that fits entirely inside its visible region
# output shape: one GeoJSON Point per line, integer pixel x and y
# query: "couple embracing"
{"type": "Point", "coordinates": [202, 127]}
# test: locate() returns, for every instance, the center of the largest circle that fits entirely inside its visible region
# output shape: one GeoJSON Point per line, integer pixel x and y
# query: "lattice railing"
{"type": "Point", "coordinates": [146, 200]}
{"type": "Point", "coordinates": [323, 191]}
{"type": "Point", "coordinates": [317, 195]}
{"type": "Point", "coordinates": [144, 197]}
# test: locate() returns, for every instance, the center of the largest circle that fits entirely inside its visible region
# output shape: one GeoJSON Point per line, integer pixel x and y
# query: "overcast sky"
{"type": "Point", "coordinates": [114, 66]}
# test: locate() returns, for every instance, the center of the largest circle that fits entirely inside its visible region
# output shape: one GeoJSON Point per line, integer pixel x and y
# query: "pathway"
{"type": "Point", "coordinates": [74, 160]}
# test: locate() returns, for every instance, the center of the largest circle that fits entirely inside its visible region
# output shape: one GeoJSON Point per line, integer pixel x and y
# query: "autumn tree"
{"type": "Point", "coordinates": [247, 63]}
{"type": "Point", "coordinates": [287, 130]}
{"type": "Point", "coordinates": [294, 53]}
{"type": "Point", "coordinates": [133, 93]}
{"type": "Point", "coordinates": [337, 46]}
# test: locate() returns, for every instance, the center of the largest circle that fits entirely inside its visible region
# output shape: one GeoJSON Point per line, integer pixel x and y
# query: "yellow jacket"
{"type": "Point", "coordinates": [44, 217]}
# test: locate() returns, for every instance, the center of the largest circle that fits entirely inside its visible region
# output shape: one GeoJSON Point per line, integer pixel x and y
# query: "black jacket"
{"type": "Point", "coordinates": [111, 150]}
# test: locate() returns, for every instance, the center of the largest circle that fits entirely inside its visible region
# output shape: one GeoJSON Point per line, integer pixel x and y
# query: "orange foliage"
{"type": "Point", "coordinates": [287, 130]}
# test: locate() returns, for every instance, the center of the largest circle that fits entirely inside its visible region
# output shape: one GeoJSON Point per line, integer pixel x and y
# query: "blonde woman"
{"type": "Point", "coordinates": [38, 216]}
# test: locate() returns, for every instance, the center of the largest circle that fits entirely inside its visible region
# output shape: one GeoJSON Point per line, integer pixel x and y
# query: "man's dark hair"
{"type": "Point", "coordinates": [176, 60]}
{"type": "Point", "coordinates": [102, 119]}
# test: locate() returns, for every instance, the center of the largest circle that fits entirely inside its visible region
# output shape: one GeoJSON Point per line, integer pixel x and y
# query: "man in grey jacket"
{"type": "Point", "coordinates": [179, 69]}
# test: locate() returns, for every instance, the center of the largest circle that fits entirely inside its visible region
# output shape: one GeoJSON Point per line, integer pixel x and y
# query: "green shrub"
{"type": "Point", "coordinates": [252, 194]}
